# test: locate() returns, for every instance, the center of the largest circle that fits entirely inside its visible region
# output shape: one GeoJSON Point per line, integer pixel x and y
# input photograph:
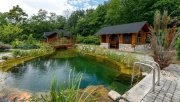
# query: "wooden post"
{"type": "Point", "coordinates": [107, 38]}
{"type": "Point", "coordinates": [135, 39]}
{"type": "Point", "coordinates": [121, 39]}
{"type": "Point", "coordinates": [143, 37]}
{"type": "Point", "coordinates": [100, 39]}
{"type": "Point", "coordinates": [133, 42]}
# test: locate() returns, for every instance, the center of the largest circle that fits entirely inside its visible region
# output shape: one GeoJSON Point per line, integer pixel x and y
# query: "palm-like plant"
{"type": "Point", "coordinates": [162, 39]}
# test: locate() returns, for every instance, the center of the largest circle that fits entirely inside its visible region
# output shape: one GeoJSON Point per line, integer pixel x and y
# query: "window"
{"type": "Point", "coordinates": [139, 37]}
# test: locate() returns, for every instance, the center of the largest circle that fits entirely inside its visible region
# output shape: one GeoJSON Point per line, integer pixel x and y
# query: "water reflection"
{"type": "Point", "coordinates": [36, 75]}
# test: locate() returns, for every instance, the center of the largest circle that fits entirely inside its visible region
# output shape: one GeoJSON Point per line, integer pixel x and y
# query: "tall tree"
{"type": "Point", "coordinates": [113, 15]}
{"type": "Point", "coordinates": [16, 15]}
{"type": "Point", "coordinates": [2, 19]}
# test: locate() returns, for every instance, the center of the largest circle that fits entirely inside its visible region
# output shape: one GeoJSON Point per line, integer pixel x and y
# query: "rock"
{"type": "Point", "coordinates": [18, 56]}
{"type": "Point", "coordinates": [98, 93]}
{"type": "Point", "coordinates": [19, 96]}
{"type": "Point", "coordinates": [12, 95]}
{"type": "Point", "coordinates": [114, 95]}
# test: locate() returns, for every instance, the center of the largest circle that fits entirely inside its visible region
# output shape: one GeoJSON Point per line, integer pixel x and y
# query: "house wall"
{"type": "Point", "coordinates": [52, 38]}
{"type": "Point", "coordinates": [125, 47]}
{"type": "Point", "coordinates": [104, 45]}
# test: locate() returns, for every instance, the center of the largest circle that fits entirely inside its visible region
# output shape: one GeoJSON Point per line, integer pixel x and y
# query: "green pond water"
{"type": "Point", "coordinates": [36, 75]}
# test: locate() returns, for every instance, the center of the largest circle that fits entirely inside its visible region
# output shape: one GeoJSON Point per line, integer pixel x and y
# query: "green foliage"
{"type": "Point", "coordinates": [91, 39]}
{"type": "Point", "coordinates": [178, 48]}
{"type": "Point", "coordinates": [124, 58]}
{"type": "Point", "coordinates": [16, 15]}
{"type": "Point", "coordinates": [114, 8]}
{"type": "Point", "coordinates": [4, 47]}
{"type": "Point", "coordinates": [15, 24]}
{"type": "Point", "coordinates": [5, 57]}
{"type": "Point", "coordinates": [16, 53]}
{"type": "Point", "coordinates": [30, 43]}
{"type": "Point", "coordinates": [65, 93]}
{"type": "Point", "coordinates": [10, 32]}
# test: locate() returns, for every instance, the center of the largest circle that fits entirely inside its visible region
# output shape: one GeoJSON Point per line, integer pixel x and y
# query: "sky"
{"type": "Point", "coordinates": [58, 6]}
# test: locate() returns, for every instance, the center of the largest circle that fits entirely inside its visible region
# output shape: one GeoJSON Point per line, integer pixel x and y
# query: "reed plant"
{"type": "Point", "coordinates": [125, 58]}
{"type": "Point", "coordinates": [65, 92]}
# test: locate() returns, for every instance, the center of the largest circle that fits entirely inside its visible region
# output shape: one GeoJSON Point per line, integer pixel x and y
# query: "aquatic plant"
{"type": "Point", "coordinates": [125, 58]}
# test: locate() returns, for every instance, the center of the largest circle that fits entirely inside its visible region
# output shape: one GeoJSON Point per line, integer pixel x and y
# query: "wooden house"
{"type": "Point", "coordinates": [56, 35]}
{"type": "Point", "coordinates": [125, 36]}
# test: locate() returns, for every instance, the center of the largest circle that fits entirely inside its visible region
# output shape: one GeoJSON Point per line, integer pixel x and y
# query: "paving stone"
{"type": "Point", "coordinates": [167, 99]}
{"type": "Point", "coordinates": [158, 99]}
{"type": "Point", "coordinates": [169, 95]}
{"type": "Point", "coordinates": [168, 91]}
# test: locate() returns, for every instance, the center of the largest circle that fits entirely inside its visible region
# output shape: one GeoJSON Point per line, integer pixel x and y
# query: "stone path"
{"type": "Point", "coordinates": [169, 89]}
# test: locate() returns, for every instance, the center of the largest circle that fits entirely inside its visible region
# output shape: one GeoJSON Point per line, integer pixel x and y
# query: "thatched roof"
{"type": "Point", "coordinates": [122, 29]}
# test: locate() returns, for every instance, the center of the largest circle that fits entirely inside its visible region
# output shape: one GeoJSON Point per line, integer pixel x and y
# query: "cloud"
{"type": "Point", "coordinates": [58, 6]}
{"type": "Point", "coordinates": [85, 4]}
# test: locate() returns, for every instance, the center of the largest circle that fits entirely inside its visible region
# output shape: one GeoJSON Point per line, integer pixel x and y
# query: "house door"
{"type": "Point", "coordinates": [114, 41]}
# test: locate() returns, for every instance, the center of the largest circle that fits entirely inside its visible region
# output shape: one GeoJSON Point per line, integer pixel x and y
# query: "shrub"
{"type": "Point", "coordinates": [88, 39]}
{"type": "Point", "coordinates": [162, 39]}
{"type": "Point", "coordinates": [4, 47]}
{"type": "Point", "coordinates": [30, 43]}
{"type": "Point", "coordinates": [16, 53]}
{"type": "Point", "coordinates": [5, 57]}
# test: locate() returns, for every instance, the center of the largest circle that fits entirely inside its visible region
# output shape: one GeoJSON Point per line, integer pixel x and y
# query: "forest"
{"type": "Point", "coordinates": [17, 25]}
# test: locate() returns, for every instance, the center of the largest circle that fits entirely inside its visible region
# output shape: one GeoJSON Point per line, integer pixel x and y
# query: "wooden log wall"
{"type": "Point", "coordinates": [143, 37]}
{"type": "Point", "coordinates": [121, 39]}
{"type": "Point", "coordinates": [134, 39]}
{"type": "Point", "coordinates": [107, 38]}
{"type": "Point", "coordinates": [100, 39]}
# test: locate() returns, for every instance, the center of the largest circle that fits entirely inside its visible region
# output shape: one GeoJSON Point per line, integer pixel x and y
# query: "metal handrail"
{"type": "Point", "coordinates": [158, 68]}
{"type": "Point", "coordinates": [150, 66]}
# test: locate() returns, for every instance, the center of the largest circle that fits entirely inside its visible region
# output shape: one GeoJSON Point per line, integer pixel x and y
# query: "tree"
{"type": "Point", "coordinates": [73, 20]}
{"type": "Point", "coordinates": [2, 19]}
{"type": "Point", "coordinates": [9, 32]}
{"type": "Point", "coordinates": [39, 23]}
{"type": "Point", "coordinates": [113, 15]}
{"type": "Point", "coordinates": [16, 15]}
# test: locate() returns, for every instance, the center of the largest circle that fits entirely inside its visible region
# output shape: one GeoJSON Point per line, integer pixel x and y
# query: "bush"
{"type": "Point", "coordinates": [4, 47]}
{"type": "Point", "coordinates": [88, 39]}
{"type": "Point", "coordinates": [16, 53]}
{"type": "Point", "coordinates": [178, 48]}
{"type": "Point", "coordinates": [30, 43]}
{"type": "Point", "coordinates": [5, 57]}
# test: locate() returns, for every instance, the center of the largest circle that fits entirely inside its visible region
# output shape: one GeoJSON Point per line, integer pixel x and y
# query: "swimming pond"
{"type": "Point", "coordinates": [36, 75]}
